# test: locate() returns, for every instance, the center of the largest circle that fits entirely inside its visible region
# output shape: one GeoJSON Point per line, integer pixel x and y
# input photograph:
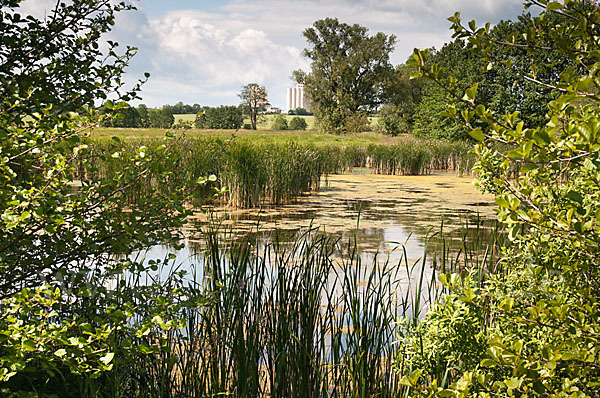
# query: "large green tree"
{"type": "Point", "coordinates": [510, 83]}
{"type": "Point", "coordinates": [402, 96]}
{"type": "Point", "coordinates": [459, 63]}
{"type": "Point", "coordinates": [348, 71]}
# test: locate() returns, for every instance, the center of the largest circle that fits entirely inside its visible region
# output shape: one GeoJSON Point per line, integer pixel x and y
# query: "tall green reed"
{"type": "Point", "coordinates": [261, 174]}
{"type": "Point", "coordinates": [306, 317]}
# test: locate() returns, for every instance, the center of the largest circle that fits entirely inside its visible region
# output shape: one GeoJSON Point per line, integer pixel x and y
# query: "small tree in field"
{"type": "Point", "coordinates": [254, 101]}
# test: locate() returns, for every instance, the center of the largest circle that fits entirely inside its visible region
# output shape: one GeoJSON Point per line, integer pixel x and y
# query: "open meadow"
{"type": "Point", "coordinates": [266, 121]}
{"type": "Point", "coordinates": [261, 135]}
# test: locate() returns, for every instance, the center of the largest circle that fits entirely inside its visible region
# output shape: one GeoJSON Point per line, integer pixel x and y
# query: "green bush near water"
{"type": "Point", "coordinates": [532, 329]}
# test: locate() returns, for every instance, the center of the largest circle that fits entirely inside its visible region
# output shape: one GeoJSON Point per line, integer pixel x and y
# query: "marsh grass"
{"type": "Point", "coordinates": [263, 173]}
{"type": "Point", "coordinates": [300, 317]}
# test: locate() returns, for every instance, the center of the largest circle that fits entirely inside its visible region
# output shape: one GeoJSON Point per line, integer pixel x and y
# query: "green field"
{"type": "Point", "coordinates": [260, 136]}
{"type": "Point", "coordinates": [268, 120]}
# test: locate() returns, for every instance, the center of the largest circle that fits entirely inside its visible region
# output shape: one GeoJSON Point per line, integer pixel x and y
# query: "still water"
{"type": "Point", "coordinates": [391, 218]}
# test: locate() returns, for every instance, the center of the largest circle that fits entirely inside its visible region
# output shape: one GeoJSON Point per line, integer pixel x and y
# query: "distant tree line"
{"type": "Point", "coordinates": [184, 109]}
{"type": "Point", "coordinates": [142, 117]}
{"type": "Point", "coordinates": [299, 112]}
{"type": "Point", "coordinates": [222, 117]}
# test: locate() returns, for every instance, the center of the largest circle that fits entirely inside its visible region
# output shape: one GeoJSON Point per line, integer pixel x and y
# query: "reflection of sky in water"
{"type": "Point", "coordinates": [184, 259]}
{"type": "Point", "coordinates": [389, 217]}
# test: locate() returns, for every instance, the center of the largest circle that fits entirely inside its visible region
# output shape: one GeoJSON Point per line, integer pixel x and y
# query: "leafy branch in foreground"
{"type": "Point", "coordinates": [75, 235]}
{"type": "Point", "coordinates": [540, 320]}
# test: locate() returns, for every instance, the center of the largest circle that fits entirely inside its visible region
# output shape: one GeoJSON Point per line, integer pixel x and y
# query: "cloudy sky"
{"type": "Point", "coordinates": [203, 51]}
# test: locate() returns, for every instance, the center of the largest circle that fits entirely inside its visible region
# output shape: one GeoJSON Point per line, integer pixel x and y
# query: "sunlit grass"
{"type": "Point", "coordinates": [266, 122]}
{"type": "Point", "coordinates": [266, 136]}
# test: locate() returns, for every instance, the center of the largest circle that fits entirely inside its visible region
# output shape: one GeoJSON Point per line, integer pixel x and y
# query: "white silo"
{"type": "Point", "coordinates": [298, 97]}
{"type": "Point", "coordinates": [301, 89]}
{"type": "Point", "coordinates": [290, 98]}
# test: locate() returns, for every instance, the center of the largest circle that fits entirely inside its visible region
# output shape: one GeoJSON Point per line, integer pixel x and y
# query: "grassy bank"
{"type": "Point", "coordinates": [267, 169]}
{"type": "Point", "coordinates": [267, 121]}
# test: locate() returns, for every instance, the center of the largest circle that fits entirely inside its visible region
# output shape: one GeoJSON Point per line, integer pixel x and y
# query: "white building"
{"type": "Point", "coordinates": [296, 98]}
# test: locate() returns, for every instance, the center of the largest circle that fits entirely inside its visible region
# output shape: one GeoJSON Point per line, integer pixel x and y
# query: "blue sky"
{"type": "Point", "coordinates": [200, 51]}
{"type": "Point", "coordinates": [155, 8]}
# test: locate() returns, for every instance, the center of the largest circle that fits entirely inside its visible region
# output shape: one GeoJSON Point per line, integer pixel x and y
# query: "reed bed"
{"type": "Point", "coordinates": [300, 318]}
{"type": "Point", "coordinates": [263, 174]}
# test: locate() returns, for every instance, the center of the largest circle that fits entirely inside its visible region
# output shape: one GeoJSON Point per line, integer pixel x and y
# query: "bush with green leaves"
{"type": "Point", "coordinates": [75, 235]}
{"type": "Point", "coordinates": [222, 117]}
{"type": "Point", "coordinates": [298, 123]}
{"type": "Point", "coordinates": [540, 316]}
{"type": "Point", "coordinates": [391, 121]}
{"type": "Point", "coordinates": [279, 123]}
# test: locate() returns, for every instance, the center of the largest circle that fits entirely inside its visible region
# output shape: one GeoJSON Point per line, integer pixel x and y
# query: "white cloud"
{"type": "Point", "coordinates": [205, 57]}
{"type": "Point", "coordinates": [200, 57]}
{"type": "Point", "coordinates": [37, 8]}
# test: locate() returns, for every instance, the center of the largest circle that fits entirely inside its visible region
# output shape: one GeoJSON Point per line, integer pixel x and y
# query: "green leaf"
{"type": "Point", "coordinates": [529, 167]}
{"type": "Point", "coordinates": [513, 383]}
{"type": "Point", "coordinates": [502, 202]}
{"type": "Point", "coordinates": [514, 232]}
{"type": "Point", "coordinates": [60, 352]}
{"type": "Point", "coordinates": [477, 135]}
{"type": "Point", "coordinates": [471, 93]}
{"type": "Point", "coordinates": [29, 345]}
{"type": "Point", "coordinates": [507, 304]}
{"type": "Point", "coordinates": [106, 359]}
{"type": "Point", "coordinates": [553, 6]}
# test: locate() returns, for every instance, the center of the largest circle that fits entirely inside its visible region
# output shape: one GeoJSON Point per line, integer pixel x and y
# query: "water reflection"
{"type": "Point", "coordinates": [369, 207]}
{"type": "Point", "coordinates": [391, 219]}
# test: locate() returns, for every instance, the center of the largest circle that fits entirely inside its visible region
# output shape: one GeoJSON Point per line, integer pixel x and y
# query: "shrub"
{"type": "Point", "coordinates": [298, 123]}
{"type": "Point", "coordinates": [390, 121]}
{"type": "Point", "coordinates": [279, 123]}
{"type": "Point", "coordinates": [540, 317]}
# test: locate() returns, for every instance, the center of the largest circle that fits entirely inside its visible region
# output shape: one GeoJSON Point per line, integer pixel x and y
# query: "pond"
{"type": "Point", "coordinates": [391, 219]}
{"type": "Point", "coordinates": [381, 211]}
